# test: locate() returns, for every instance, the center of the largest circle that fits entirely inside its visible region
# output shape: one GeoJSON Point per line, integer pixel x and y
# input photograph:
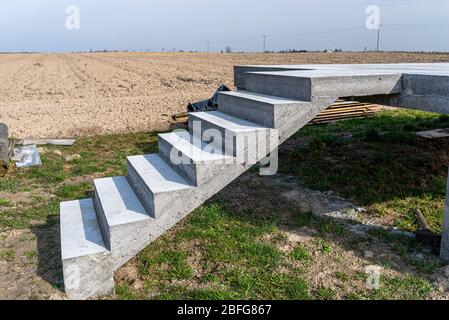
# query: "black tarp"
{"type": "Point", "coordinates": [209, 104]}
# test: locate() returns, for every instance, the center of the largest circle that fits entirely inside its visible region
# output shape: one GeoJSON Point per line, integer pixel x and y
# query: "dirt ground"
{"type": "Point", "coordinates": [81, 94]}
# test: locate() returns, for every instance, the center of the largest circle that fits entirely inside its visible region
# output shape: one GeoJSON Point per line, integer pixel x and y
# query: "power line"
{"type": "Point", "coordinates": [315, 32]}
{"type": "Point", "coordinates": [265, 37]}
{"type": "Point", "coordinates": [415, 24]}
{"type": "Point", "coordinates": [236, 40]}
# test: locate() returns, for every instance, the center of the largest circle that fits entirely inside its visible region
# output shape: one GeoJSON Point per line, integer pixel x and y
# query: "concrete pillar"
{"type": "Point", "coordinates": [444, 251]}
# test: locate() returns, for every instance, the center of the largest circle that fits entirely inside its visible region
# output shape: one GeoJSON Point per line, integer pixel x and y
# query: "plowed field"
{"type": "Point", "coordinates": [83, 94]}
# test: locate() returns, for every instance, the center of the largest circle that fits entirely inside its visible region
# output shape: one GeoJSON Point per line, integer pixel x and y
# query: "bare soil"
{"type": "Point", "coordinates": [84, 94]}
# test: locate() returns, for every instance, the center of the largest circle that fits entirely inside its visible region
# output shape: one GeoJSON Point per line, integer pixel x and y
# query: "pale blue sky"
{"type": "Point", "coordinates": [39, 25]}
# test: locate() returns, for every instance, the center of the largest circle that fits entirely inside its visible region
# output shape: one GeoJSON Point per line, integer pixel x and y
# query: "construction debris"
{"type": "Point", "coordinates": [209, 104]}
{"type": "Point", "coordinates": [182, 117]}
{"type": "Point", "coordinates": [434, 134]}
{"type": "Point", "coordinates": [27, 156]}
{"type": "Point", "coordinates": [425, 234]}
{"type": "Point", "coordinates": [347, 110]}
{"type": "Point", "coordinates": [55, 142]}
{"type": "Point", "coordinates": [72, 157]}
{"type": "Point", "coordinates": [4, 144]}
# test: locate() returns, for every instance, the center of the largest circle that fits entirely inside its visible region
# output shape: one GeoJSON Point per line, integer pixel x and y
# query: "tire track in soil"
{"type": "Point", "coordinates": [98, 83]}
{"type": "Point", "coordinates": [126, 82]}
{"type": "Point", "coordinates": [77, 83]}
{"type": "Point", "coordinates": [13, 77]}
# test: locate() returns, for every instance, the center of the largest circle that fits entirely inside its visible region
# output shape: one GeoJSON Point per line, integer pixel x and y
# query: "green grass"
{"type": "Point", "coordinates": [219, 252]}
{"type": "Point", "coordinates": [4, 202]}
{"type": "Point", "coordinates": [30, 255]}
{"type": "Point", "coordinates": [8, 255]}
{"type": "Point", "coordinates": [324, 247]}
{"type": "Point", "coordinates": [22, 218]}
{"type": "Point", "coordinates": [407, 288]}
{"type": "Point", "coordinates": [174, 261]}
{"type": "Point", "coordinates": [323, 293]}
{"type": "Point", "coordinates": [382, 165]}
{"type": "Point", "coordinates": [232, 254]}
{"type": "Point", "coordinates": [74, 191]}
{"type": "Point", "coordinates": [300, 253]}
{"type": "Point", "coordinates": [7, 184]}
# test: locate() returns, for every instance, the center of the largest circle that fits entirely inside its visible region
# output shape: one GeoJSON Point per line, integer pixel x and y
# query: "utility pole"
{"type": "Point", "coordinates": [264, 37]}
{"type": "Point", "coordinates": [378, 37]}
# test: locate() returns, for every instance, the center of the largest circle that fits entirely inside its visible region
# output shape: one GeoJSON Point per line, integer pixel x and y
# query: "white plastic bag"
{"type": "Point", "coordinates": [27, 156]}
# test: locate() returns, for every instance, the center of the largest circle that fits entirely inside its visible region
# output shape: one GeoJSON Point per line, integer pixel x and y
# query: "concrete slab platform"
{"type": "Point", "coordinates": [423, 86]}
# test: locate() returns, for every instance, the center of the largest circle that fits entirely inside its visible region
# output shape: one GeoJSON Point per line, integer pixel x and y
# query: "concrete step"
{"type": "Point", "coordinates": [268, 111]}
{"type": "Point", "coordinates": [157, 185]}
{"type": "Point", "coordinates": [119, 211]}
{"type": "Point", "coordinates": [190, 157]}
{"type": "Point", "coordinates": [309, 85]}
{"type": "Point", "coordinates": [84, 254]}
{"type": "Point", "coordinates": [240, 72]}
{"type": "Point", "coordinates": [242, 139]}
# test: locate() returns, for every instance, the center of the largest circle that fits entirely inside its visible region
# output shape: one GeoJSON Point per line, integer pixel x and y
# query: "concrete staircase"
{"type": "Point", "coordinates": [127, 213]}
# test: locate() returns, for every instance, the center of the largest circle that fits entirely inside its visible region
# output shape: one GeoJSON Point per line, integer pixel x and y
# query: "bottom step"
{"type": "Point", "coordinates": [80, 231]}
{"type": "Point", "coordinates": [85, 259]}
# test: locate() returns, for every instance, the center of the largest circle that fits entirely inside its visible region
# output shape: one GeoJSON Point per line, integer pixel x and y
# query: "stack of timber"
{"type": "Point", "coordinates": [182, 117]}
{"type": "Point", "coordinates": [347, 110]}
{"type": "Point", "coordinates": [340, 110]}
